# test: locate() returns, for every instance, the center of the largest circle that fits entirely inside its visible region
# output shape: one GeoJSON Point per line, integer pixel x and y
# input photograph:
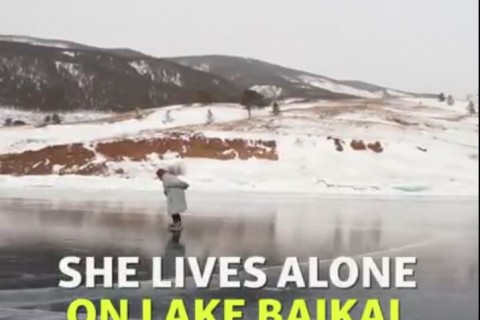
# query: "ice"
{"type": "Point", "coordinates": [11, 314]}
{"type": "Point", "coordinates": [225, 225]}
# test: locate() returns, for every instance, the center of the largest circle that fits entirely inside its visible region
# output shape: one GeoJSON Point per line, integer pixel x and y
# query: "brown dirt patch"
{"type": "Point", "coordinates": [92, 160]}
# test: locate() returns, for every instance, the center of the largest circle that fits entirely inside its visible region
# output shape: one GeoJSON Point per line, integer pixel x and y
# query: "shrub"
{"type": "Point", "coordinates": [56, 119]}
{"type": "Point", "coordinates": [275, 109]}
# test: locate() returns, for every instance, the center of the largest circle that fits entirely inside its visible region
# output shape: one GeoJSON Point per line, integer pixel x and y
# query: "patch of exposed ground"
{"type": "Point", "coordinates": [357, 145]}
{"type": "Point", "coordinates": [93, 159]}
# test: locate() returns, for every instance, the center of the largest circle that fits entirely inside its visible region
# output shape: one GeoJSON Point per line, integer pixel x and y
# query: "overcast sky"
{"type": "Point", "coordinates": [417, 45]}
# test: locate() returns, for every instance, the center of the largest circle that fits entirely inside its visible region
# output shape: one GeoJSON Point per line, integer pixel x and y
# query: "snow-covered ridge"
{"type": "Point", "coordinates": [81, 77]}
{"type": "Point", "coordinates": [337, 87]}
{"type": "Point", "coordinates": [323, 83]}
{"type": "Point", "coordinates": [274, 79]}
{"type": "Point", "coordinates": [37, 42]}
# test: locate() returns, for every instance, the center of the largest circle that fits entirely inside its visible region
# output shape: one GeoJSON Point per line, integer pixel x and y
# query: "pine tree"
{"type": "Point", "coordinates": [441, 97]}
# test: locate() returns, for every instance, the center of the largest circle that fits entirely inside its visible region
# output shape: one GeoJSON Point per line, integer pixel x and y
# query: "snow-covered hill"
{"type": "Point", "coordinates": [43, 42]}
{"type": "Point", "coordinates": [390, 146]}
{"type": "Point", "coordinates": [54, 75]}
{"type": "Point", "coordinates": [46, 78]}
{"type": "Point", "coordinates": [284, 82]}
{"type": "Point", "coordinates": [69, 45]}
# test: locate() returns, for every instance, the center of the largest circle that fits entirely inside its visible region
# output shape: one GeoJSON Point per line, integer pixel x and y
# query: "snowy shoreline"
{"type": "Point", "coordinates": [106, 187]}
{"type": "Point", "coordinates": [320, 148]}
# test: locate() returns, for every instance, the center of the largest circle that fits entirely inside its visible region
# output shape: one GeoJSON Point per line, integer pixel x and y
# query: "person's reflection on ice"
{"type": "Point", "coordinates": [173, 249]}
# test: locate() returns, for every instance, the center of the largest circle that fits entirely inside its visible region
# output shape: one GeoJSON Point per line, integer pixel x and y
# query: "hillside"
{"type": "Point", "coordinates": [284, 82]}
{"type": "Point", "coordinates": [70, 45]}
{"type": "Point", "coordinates": [43, 74]}
{"type": "Point", "coordinates": [52, 78]}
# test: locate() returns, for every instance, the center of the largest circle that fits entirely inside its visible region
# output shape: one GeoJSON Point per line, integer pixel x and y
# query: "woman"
{"type": "Point", "coordinates": [174, 190]}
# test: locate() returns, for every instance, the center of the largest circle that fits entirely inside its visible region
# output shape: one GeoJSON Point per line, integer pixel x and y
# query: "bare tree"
{"type": "Point", "coordinates": [275, 109]}
{"type": "Point", "coordinates": [210, 117]}
{"type": "Point", "coordinates": [250, 98]}
{"type": "Point", "coordinates": [168, 117]}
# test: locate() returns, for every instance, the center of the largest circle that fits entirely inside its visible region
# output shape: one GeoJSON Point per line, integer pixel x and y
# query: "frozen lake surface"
{"type": "Point", "coordinates": [35, 233]}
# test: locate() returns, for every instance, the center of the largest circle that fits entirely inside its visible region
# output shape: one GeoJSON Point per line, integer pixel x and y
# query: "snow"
{"type": "Point", "coordinates": [69, 53]}
{"type": "Point", "coordinates": [308, 80]}
{"type": "Point", "coordinates": [141, 67]}
{"type": "Point", "coordinates": [268, 91]}
{"type": "Point", "coordinates": [429, 149]}
{"type": "Point", "coordinates": [18, 139]}
{"type": "Point", "coordinates": [36, 42]}
{"type": "Point", "coordinates": [176, 78]}
{"type": "Point", "coordinates": [71, 68]}
{"type": "Point", "coordinates": [292, 100]}
{"type": "Point", "coordinates": [396, 93]}
{"type": "Point", "coordinates": [203, 67]}
{"type": "Point", "coordinates": [37, 118]}
{"type": "Point", "coordinates": [329, 85]}
{"type": "Point", "coordinates": [74, 71]}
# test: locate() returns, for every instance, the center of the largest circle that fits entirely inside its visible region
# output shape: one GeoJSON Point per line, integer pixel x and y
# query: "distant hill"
{"type": "Point", "coordinates": [63, 44]}
{"type": "Point", "coordinates": [63, 75]}
{"type": "Point", "coordinates": [53, 78]}
{"type": "Point", "coordinates": [286, 82]}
